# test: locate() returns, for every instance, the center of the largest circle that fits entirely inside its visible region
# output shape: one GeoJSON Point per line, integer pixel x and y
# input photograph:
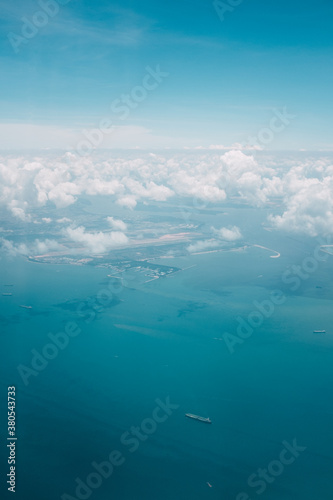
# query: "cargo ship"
{"type": "Point", "coordinates": [197, 417]}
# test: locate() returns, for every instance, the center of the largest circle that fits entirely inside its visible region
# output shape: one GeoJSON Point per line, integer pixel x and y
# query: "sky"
{"type": "Point", "coordinates": [221, 79]}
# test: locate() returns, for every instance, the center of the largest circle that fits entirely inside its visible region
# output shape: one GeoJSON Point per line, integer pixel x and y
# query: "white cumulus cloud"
{"type": "Point", "coordinates": [96, 242]}
{"type": "Point", "coordinates": [200, 246]}
{"type": "Point", "coordinates": [228, 234]}
{"type": "Point", "coordinates": [117, 224]}
{"type": "Point", "coordinates": [38, 247]}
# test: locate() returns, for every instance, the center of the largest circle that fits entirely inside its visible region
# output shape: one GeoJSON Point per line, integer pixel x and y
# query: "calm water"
{"type": "Point", "coordinates": [276, 385]}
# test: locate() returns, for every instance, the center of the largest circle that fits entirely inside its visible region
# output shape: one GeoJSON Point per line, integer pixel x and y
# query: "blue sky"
{"type": "Point", "coordinates": [225, 78]}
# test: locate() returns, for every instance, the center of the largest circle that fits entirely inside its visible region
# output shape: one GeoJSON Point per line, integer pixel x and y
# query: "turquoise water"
{"type": "Point", "coordinates": [163, 339]}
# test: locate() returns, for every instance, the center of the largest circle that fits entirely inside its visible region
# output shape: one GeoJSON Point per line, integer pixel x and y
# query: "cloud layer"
{"type": "Point", "coordinates": [299, 191]}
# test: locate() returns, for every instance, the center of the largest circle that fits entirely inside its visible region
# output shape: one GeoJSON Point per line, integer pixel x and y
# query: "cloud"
{"type": "Point", "coordinates": [36, 248]}
{"type": "Point", "coordinates": [11, 249]}
{"type": "Point", "coordinates": [200, 246]}
{"type": "Point", "coordinates": [96, 242]}
{"type": "Point", "coordinates": [117, 224]}
{"type": "Point", "coordinates": [148, 190]}
{"type": "Point", "coordinates": [63, 220]}
{"type": "Point", "coordinates": [228, 234]}
{"type": "Point", "coordinates": [127, 201]}
{"type": "Point", "coordinates": [201, 185]}
{"type": "Point", "coordinates": [224, 234]}
{"type": "Point", "coordinates": [19, 212]}
{"type": "Point", "coordinates": [309, 209]}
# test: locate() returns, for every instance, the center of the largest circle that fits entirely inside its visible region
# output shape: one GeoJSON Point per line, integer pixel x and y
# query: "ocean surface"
{"type": "Point", "coordinates": [166, 339]}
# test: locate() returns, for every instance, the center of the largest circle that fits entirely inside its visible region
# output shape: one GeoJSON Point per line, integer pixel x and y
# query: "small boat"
{"type": "Point", "coordinates": [319, 331]}
{"type": "Point", "coordinates": [26, 307]}
{"type": "Point", "coordinates": [197, 417]}
{"type": "Point", "coordinates": [7, 294]}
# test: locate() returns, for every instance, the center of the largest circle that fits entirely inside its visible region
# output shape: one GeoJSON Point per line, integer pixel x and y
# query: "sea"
{"type": "Point", "coordinates": [142, 355]}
